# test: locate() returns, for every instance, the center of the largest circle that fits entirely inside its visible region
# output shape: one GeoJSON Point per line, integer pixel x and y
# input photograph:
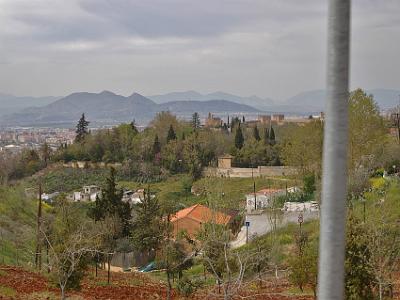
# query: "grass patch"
{"type": "Point", "coordinates": [295, 291]}
{"type": "Point", "coordinates": [7, 291]}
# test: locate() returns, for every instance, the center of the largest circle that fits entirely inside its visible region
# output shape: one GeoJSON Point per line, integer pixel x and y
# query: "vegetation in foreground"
{"type": "Point", "coordinates": [167, 160]}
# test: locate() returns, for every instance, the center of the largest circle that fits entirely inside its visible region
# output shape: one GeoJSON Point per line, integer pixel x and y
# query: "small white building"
{"type": "Point", "coordinates": [49, 198]}
{"type": "Point", "coordinates": [88, 193]}
{"type": "Point", "coordinates": [265, 197]}
{"type": "Point", "coordinates": [132, 197]}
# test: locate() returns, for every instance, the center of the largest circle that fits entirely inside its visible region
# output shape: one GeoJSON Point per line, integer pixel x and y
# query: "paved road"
{"type": "Point", "coordinates": [261, 224]}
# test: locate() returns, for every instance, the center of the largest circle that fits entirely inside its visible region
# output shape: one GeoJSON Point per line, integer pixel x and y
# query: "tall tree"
{"type": "Point", "coordinates": [134, 128]}
{"type": "Point", "coordinates": [110, 204]}
{"type": "Point", "coordinates": [45, 152]}
{"type": "Point", "coordinates": [256, 133]}
{"type": "Point", "coordinates": [81, 129]}
{"type": "Point", "coordinates": [272, 136]}
{"type": "Point", "coordinates": [156, 146]}
{"type": "Point", "coordinates": [171, 134]}
{"type": "Point", "coordinates": [147, 224]}
{"type": "Point", "coordinates": [239, 139]}
{"type": "Point", "coordinates": [195, 120]}
{"type": "Point", "coordinates": [266, 136]}
{"type": "Point", "coordinates": [367, 133]}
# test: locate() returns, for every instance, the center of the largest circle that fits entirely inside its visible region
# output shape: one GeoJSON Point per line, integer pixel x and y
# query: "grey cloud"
{"type": "Point", "coordinates": [266, 47]}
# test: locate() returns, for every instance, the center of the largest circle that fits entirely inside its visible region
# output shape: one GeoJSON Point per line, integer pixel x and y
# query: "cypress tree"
{"type": "Point", "coordinates": [195, 121]}
{"type": "Point", "coordinates": [266, 136]}
{"type": "Point", "coordinates": [256, 134]}
{"type": "Point", "coordinates": [272, 136]}
{"type": "Point", "coordinates": [134, 129]}
{"type": "Point", "coordinates": [156, 145]}
{"type": "Point", "coordinates": [110, 204]}
{"type": "Point", "coordinates": [171, 134]}
{"type": "Point", "coordinates": [239, 139]}
{"type": "Point", "coordinates": [81, 129]}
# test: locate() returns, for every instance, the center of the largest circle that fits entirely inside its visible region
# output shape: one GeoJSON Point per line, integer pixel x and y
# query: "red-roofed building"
{"type": "Point", "coordinates": [192, 218]}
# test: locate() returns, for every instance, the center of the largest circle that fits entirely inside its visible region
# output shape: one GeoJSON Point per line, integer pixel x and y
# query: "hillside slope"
{"type": "Point", "coordinates": [17, 225]}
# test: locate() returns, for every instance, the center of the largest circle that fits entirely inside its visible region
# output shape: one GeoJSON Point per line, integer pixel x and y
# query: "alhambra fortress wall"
{"type": "Point", "coordinates": [261, 171]}
{"type": "Point", "coordinates": [90, 165]}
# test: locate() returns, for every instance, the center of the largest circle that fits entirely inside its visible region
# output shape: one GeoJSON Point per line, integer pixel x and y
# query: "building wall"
{"type": "Point", "coordinates": [189, 225]}
{"type": "Point", "coordinates": [224, 163]}
{"type": "Point", "coordinates": [261, 171]}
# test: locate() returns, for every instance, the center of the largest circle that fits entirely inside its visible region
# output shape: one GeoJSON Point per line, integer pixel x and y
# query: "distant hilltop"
{"type": "Point", "coordinates": [109, 108]}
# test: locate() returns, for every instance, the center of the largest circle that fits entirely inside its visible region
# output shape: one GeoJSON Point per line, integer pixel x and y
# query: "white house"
{"type": "Point", "coordinates": [49, 198]}
{"type": "Point", "coordinates": [264, 197]}
{"type": "Point", "coordinates": [132, 197]}
{"type": "Point", "coordinates": [88, 193]}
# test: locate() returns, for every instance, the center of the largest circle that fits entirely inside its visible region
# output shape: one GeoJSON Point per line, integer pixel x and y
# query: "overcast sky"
{"type": "Point", "coordinates": [271, 48]}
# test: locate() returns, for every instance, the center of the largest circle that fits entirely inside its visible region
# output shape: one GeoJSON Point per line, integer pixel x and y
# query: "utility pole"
{"type": "Point", "coordinates": [254, 187]}
{"type": "Point", "coordinates": [334, 180]}
{"type": "Point", "coordinates": [38, 256]}
{"type": "Point", "coordinates": [396, 120]}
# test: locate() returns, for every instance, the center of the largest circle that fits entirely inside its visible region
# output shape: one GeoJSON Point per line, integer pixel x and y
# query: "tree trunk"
{"type": "Point", "coordinates": [380, 291]}
{"type": "Point", "coordinates": [108, 268]}
{"type": "Point", "coordinates": [169, 286]}
{"type": "Point", "coordinates": [96, 262]}
{"type": "Point", "coordinates": [62, 293]}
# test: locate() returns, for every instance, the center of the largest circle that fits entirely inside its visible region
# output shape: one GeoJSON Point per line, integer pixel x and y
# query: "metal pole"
{"type": "Point", "coordinates": [38, 256]}
{"type": "Point", "coordinates": [334, 180]}
{"type": "Point", "coordinates": [254, 187]}
{"type": "Point", "coordinates": [247, 234]}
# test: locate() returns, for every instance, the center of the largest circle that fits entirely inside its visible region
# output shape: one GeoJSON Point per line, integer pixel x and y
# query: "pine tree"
{"type": "Point", "coordinates": [234, 122]}
{"type": "Point", "coordinates": [272, 136]}
{"type": "Point", "coordinates": [134, 128]}
{"type": "Point", "coordinates": [81, 129]}
{"type": "Point", "coordinates": [147, 224]}
{"type": "Point", "coordinates": [110, 204]}
{"type": "Point", "coordinates": [156, 146]}
{"type": "Point", "coordinates": [45, 152]}
{"type": "Point", "coordinates": [239, 139]}
{"type": "Point", "coordinates": [195, 121]}
{"type": "Point", "coordinates": [171, 134]}
{"type": "Point", "coordinates": [266, 136]}
{"type": "Point", "coordinates": [256, 134]}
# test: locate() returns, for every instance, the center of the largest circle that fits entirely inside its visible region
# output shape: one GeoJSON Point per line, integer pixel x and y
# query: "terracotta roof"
{"type": "Point", "coordinates": [203, 214]}
{"type": "Point", "coordinates": [226, 156]}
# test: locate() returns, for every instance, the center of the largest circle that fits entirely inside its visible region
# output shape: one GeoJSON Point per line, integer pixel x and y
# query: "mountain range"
{"type": "Point", "coordinates": [107, 107]}
{"type": "Point", "coordinates": [11, 104]}
{"type": "Point", "coordinates": [257, 102]}
{"type": "Point", "coordinates": [110, 108]}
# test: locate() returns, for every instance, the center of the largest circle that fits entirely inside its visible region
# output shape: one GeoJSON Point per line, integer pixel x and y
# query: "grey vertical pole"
{"type": "Point", "coordinates": [334, 180]}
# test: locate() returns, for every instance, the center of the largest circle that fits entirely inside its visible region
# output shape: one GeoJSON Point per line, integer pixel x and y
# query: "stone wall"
{"type": "Point", "coordinates": [261, 171]}
{"type": "Point", "coordinates": [90, 165]}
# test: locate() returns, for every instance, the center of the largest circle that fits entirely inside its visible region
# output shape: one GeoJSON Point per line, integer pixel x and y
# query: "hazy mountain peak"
{"type": "Point", "coordinates": [107, 93]}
